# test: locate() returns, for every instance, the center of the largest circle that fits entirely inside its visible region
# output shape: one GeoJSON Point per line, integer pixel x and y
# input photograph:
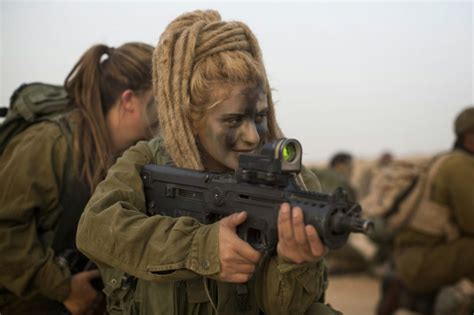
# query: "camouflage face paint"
{"type": "Point", "coordinates": [237, 125]}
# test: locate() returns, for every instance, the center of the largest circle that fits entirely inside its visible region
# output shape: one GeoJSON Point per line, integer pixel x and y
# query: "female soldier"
{"type": "Point", "coordinates": [45, 168]}
{"type": "Point", "coordinates": [214, 104]}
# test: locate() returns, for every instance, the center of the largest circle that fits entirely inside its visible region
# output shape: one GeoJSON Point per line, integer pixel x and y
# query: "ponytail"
{"type": "Point", "coordinates": [94, 84]}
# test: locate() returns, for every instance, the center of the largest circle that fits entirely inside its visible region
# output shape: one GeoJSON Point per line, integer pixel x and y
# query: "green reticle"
{"type": "Point", "coordinates": [289, 152]}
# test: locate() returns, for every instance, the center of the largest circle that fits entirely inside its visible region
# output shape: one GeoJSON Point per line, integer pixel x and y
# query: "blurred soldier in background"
{"type": "Point", "coordinates": [390, 182]}
{"type": "Point", "coordinates": [365, 180]}
{"type": "Point", "coordinates": [350, 258]}
{"type": "Point", "coordinates": [434, 249]}
{"type": "Point", "coordinates": [337, 174]}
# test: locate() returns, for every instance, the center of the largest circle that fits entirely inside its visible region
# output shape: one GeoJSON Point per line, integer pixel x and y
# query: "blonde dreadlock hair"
{"type": "Point", "coordinates": [197, 51]}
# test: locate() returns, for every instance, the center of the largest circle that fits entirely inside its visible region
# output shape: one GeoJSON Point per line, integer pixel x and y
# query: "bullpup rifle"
{"type": "Point", "coordinates": [259, 186]}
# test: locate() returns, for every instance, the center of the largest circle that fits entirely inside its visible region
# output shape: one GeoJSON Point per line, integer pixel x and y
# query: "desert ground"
{"type": "Point", "coordinates": [356, 294]}
{"type": "Point", "coordinates": [353, 294]}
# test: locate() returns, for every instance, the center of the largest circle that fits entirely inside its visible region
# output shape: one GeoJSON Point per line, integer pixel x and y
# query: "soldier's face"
{"type": "Point", "coordinates": [236, 124]}
{"type": "Point", "coordinates": [127, 120]}
{"type": "Point", "coordinates": [469, 141]}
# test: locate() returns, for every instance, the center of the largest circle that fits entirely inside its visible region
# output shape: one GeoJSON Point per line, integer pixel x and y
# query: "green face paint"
{"type": "Point", "coordinates": [238, 124]}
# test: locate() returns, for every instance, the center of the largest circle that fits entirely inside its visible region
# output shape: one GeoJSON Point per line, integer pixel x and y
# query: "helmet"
{"type": "Point", "coordinates": [464, 121]}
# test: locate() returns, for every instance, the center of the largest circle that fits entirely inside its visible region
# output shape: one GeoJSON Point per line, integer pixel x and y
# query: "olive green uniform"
{"type": "Point", "coordinates": [365, 179]}
{"type": "Point", "coordinates": [425, 262]}
{"type": "Point", "coordinates": [331, 179]}
{"type": "Point", "coordinates": [32, 172]}
{"type": "Point", "coordinates": [175, 258]}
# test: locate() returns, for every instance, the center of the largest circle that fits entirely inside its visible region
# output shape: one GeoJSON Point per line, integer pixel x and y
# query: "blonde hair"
{"type": "Point", "coordinates": [196, 52]}
{"type": "Point", "coordinates": [94, 85]}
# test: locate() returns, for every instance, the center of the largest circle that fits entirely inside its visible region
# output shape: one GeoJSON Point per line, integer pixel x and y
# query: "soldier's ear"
{"type": "Point", "coordinates": [128, 101]}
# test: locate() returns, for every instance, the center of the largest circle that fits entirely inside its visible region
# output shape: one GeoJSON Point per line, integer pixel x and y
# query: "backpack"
{"type": "Point", "coordinates": [36, 102]}
{"type": "Point", "coordinates": [419, 212]}
{"type": "Point", "coordinates": [390, 185]}
{"type": "Point", "coordinates": [32, 103]}
{"type": "Point", "coordinates": [400, 197]}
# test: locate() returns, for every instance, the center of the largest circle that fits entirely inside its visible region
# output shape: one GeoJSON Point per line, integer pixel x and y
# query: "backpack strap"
{"type": "Point", "coordinates": [431, 217]}
{"type": "Point", "coordinates": [400, 198]}
{"type": "Point", "coordinates": [75, 194]}
{"type": "Point", "coordinates": [418, 212]}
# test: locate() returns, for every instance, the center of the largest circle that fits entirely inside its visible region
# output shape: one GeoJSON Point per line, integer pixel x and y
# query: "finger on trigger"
{"type": "Point", "coordinates": [91, 274]}
{"type": "Point", "coordinates": [245, 268]}
{"type": "Point", "coordinates": [238, 218]}
{"type": "Point", "coordinates": [248, 253]}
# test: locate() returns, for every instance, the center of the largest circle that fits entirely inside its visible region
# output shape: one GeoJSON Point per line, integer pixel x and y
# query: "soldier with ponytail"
{"type": "Point", "coordinates": [214, 103]}
{"type": "Point", "coordinates": [50, 169]}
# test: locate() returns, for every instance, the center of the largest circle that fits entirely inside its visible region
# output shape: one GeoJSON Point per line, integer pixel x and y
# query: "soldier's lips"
{"type": "Point", "coordinates": [253, 151]}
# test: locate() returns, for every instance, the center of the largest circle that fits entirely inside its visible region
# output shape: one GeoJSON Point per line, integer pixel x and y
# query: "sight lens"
{"type": "Point", "coordinates": [289, 152]}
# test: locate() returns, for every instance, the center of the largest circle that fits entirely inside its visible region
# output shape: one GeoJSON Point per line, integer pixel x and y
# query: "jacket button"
{"type": "Point", "coordinates": [205, 264]}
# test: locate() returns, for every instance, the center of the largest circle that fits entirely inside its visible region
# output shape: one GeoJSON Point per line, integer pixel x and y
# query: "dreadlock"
{"type": "Point", "coordinates": [196, 52]}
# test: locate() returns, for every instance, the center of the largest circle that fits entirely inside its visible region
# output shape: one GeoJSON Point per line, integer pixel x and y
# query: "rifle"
{"type": "Point", "coordinates": [260, 185]}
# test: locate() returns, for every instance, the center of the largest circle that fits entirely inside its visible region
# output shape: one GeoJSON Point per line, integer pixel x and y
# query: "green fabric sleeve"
{"type": "Point", "coordinates": [32, 167]}
{"type": "Point", "coordinates": [452, 186]}
{"type": "Point", "coordinates": [288, 288]}
{"type": "Point", "coordinates": [115, 231]}
{"type": "Point", "coordinates": [310, 179]}
{"type": "Point", "coordinates": [285, 288]}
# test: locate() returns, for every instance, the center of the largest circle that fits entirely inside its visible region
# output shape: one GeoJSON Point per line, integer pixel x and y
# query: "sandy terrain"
{"type": "Point", "coordinates": [356, 294]}
{"type": "Point", "coordinates": [353, 294]}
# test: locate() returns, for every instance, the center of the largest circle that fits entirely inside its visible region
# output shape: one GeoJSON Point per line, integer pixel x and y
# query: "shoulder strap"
{"type": "Point", "coordinates": [409, 199]}
{"type": "Point", "coordinates": [433, 171]}
{"type": "Point", "coordinates": [74, 196]}
{"type": "Point", "coordinates": [431, 217]}
{"type": "Point", "coordinates": [417, 209]}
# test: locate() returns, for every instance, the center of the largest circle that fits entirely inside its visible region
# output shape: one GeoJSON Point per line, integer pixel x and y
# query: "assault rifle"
{"type": "Point", "coordinates": [259, 186]}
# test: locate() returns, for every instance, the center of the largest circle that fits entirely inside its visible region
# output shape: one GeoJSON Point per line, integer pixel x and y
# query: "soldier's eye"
{"type": "Point", "coordinates": [235, 121]}
{"type": "Point", "coordinates": [260, 117]}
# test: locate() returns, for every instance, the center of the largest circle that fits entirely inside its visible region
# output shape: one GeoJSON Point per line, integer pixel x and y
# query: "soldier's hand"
{"type": "Point", "coordinates": [238, 259]}
{"type": "Point", "coordinates": [83, 298]}
{"type": "Point", "coordinates": [297, 243]}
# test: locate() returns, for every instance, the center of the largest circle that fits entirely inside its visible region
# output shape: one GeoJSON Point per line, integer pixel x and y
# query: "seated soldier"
{"type": "Point", "coordinates": [338, 174]}
{"type": "Point", "coordinates": [352, 257]}
{"type": "Point", "coordinates": [434, 249]}
{"type": "Point", "coordinates": [368, 174]}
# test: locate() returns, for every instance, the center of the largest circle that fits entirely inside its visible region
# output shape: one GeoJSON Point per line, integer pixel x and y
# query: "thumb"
{"type": "Point", "coordinates": [92, 274]}
{"type": "Point", "coordinates": [236, 219]}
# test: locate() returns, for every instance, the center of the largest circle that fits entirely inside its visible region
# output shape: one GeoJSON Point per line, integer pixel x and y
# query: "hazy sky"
{"type": "Point", "coordinates": [356, 76]}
